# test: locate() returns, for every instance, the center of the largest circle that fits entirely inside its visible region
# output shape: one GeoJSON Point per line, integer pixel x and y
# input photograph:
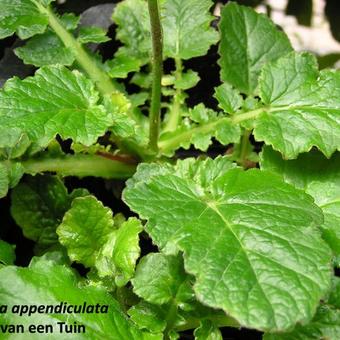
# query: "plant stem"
{"type": "Point", "coordinates": [176, 139]}
{"type": "Point", "coordinates": [245, 144]}
{"type": "Point", "coordinates": [81, 166]}
{"type": "Point", "coordinates": [103, 82]}
{"type": "Point", "coordinates": [248, 115]}
{"type": "Point", "coordinates": [175, 113]}
{"type": "Point", "coordinates": [157, 70]}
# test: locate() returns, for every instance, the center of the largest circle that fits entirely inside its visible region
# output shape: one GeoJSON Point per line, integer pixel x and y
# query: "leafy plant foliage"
{"type": "Point", "coordinates": [208, 242]}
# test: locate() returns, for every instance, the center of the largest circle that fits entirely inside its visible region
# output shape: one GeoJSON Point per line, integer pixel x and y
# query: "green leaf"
{"type": "Point", "coordinates": [159, 278]}
{"type": "Point", "coordinates": [248, 41]}
{"type": "Point", "coordinates": [70, 21]}
{"type": "Point", "coordinates": [303, 110]}
{"type": "Point", "coordinates": [185, 37]}
{"type": "Point", "coordinates": [45, 49]}
{"type": "Point", "coordinates": [7, 253]}
{"type": "Point", "coordinates": [38, 206]}
{"type": "Point", "coordinates": [85, 229]}
{"type": "Point", "coordinates": [122, 65]}
{"type": "Point", "coordinates": [4, 181]}
{"type": "Point", "coordinates": [47, 283]}
{"type": "Point", "coordinates": [119, 255]}
{"type": "Point", "coordinates": [207, 331]}
{"type": "Point", "coordinates": [21, 17]}
{"type": "Point", "coordinates": [187, 80]}
{"type": "Point", "coordinates": [320, 178]}
{"type": "Point", "coordinates": [275, 267]}
{"type": "Point", "coordinates": [334, 298]}
{"type": "Point", "coordinates": [325, 325]}
{"type": "Point", "coordinates": [54, 101]}
{"type": "Point", "coordinates": [10, 175]}
{"type": "Point", "coordinates": [148, 316]}
{"type": "Point", "coordinates": [199, 128]}
{"type": "Point", "coordinates": [95, 239]}
{"type": "Point", "coordinates": [229, 99]}
{"type": "Point", "coordinates": [132, 19]}
{"type": "Point", "coordinates": [92, 35]}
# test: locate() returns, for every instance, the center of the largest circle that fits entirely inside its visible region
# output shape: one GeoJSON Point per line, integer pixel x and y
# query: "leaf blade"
{"type": "Point", "coordinates": [235, 217]}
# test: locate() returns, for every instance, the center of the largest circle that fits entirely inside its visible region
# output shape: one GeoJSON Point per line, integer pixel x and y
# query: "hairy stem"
{"type": "Point", "coordinates": [157, 70]}
{"type": "Point", "coordinates": [103, 82]}
{"type": "Point", "coordinates": [175, 113]}
{"type": "Point", "coordinates": [81, 166]}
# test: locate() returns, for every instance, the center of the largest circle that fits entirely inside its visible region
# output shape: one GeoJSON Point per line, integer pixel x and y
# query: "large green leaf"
{"type": "Point", "coordinates": [21, 17]}
{"type": "Point", "coordinates": [248, 41]}
{"type": "Point", "coordinates": [47, 283]}
{"type": "Point", "coordinates": [250, 239]}
{"type": "Point", "coordinates": [320, 178]}
{"type": "Point", "coordinates": [38, 207]}
{"type": "Point", "coordinates": [302, 106]}
{"type": "Point", "coordinates": [54, 101]}
{"type": "Point", "coordinates": [186, 26]}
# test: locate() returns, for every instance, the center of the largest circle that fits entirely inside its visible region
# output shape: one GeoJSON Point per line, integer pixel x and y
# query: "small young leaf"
{"type": "Point", "coordinates": [188, 80]}
{"type": "Point", "coordinates": [132, 19]}
{"type": "Point", "coordinates": [303, 110]}
{"type": "Point", "coordinates": [54, 101]}
{"type": "Point", "coordinates": [119, 255]}
{"type": "Point", "coordinates": [184, 38]}
{"type": "Point", "coordinates": [45, 49]}
{"type": "Point", "coordinates": [85, 229]}
{"type": "Point", "coordinates": [207, 331]}
{"type": "Point", "coordinates": [159, 278]}
{"type": "Point", "coordinates": [236, 209]}
{"type": "Point", "coordinates": [95, 239]}
{"type": "Point", "coordinates": [248, 41]}
{"type": "Point", "coordinates": [7, 253]}
{"type": "Point", "coordinates": [92, 34]}
{"type": "Point", "coordinates": [148, 316]}
{"type": "Point", "coordinates": [21, 17]}
{"type": "Point", "coordinates": [228, 98]}
{"type": "Point", "coordinates": [48, 283]}
{"type": "Point", "coordinates": [186, 27]}
{"type": "Point", "coordinates": [122, 65]}
{"type": "Point", "coordinates": [38, 206]}
{"type": "Point", "coordinates": [320, 178]}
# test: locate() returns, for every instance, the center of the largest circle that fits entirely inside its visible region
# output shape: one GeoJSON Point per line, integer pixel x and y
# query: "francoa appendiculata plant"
{"type": "Point", "coordinates": [242, 248]}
